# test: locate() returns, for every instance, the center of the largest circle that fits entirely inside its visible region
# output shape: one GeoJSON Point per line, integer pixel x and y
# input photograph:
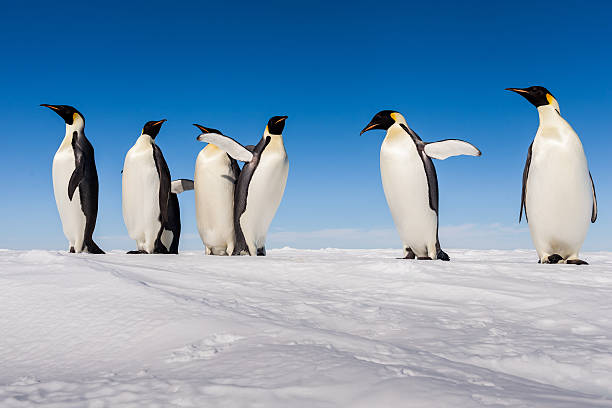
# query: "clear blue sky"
{"type": "Point", "coordinates": [329, 67]}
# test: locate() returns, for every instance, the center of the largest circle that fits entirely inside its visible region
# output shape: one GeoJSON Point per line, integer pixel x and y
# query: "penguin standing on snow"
{"type": "Point", "coordinates": [410, 182]}
{"type": "Point", "coordinates": [558, 191]}
{"type": "Point", "coordinates": [75, 182]}
{"type": "Point", "coordinates": [260, 187]}
{"type": "Point", "coordinates": [215, 178]}
{"type": "Point", "coordinates": [150, 207]}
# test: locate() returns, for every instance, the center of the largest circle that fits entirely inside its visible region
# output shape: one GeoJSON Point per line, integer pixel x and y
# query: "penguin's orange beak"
{"type": "Point", "coordinates": [202, 128]}
{"type": "Point", "coordinates": [517, 90]}
{"type": "Point", "coordinates": [370, 126]}
{"type": "Point", "coordinates": [55, 108]}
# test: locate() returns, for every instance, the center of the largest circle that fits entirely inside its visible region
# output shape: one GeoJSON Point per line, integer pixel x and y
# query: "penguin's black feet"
{"type": "Point", "coordinates": [553, 259]}
{"type": "Point", "coordinates": [72, 251]}
{"type": "Point", "coordinates": [424, 258]}
{"type": "Point", "coordinates": [443, 256]}
{"type": "Point", "coordinates": [576, 262]}
{"type": "Point", "coordinates": [140, 251]}
{"type": "Point", "coordinates": [409, 254]}
{"type": "Point", "coordinates": [261, 251]}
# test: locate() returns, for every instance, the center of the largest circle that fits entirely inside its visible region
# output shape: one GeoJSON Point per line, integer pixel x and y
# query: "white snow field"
{"type": "Point", "coordinates": [304, 328]}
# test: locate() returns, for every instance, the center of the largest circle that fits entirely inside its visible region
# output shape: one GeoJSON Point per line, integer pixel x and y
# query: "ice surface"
{"type": "Point", "coordinates": [300, 328]}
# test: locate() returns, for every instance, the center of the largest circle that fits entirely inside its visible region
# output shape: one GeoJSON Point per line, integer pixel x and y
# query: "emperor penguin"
{"type": "Point", "coordinates": [215, 178]}
{"type": "Point", "coordinates": [558, 191]}
{"type": "Point", "coordinates": [410, 182]}
{"type": "Point", "coordinates": [260, 186]}
{"type": "Point", "coordinates": [150, 211]}
{"type": "Point", "coordinates": [75, 182]}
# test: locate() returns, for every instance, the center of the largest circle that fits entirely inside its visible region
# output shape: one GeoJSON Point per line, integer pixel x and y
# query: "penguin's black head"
{"type": "Point", "coordinates": [537, 95]}
{"type": "Point", "coordinates": [276, 124]}
{"type": "Point", "coordinates": [67, 112]}
{"type": "Point", "coordinates": [152, 128]}
{"type": "Point", "coordinates": [383, 120]}
{"type": "Point", "coordinates": [205, 129]}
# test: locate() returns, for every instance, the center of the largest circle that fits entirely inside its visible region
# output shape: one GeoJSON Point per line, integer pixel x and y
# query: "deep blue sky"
{"type": "Point", "coordinates": [329, 67]}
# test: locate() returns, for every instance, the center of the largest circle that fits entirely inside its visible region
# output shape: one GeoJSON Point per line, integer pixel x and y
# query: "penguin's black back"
{"type": "Point", "coordinates": [88, 188]}
{"type": "Point", "coordinates": [241, 192]}
{"type": "Point", "coordinates": [174, 222]}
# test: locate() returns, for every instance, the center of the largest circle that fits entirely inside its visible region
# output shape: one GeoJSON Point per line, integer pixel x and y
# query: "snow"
{"type": "Point", "coordinates": [304, 328]}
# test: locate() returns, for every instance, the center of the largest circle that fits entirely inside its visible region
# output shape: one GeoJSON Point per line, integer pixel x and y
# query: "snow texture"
{"type": "Point", "coordinates": [304, 328]}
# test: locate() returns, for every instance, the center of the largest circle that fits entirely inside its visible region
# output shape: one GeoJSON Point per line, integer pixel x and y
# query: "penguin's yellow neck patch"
{"type": "Point", "coordinates": [550, 99]}
{"type": "Point", "coordinates": [211, 147]}
{"type": "Point", "coordinates": [75, 116]}
{"type": "Point", "coordinates": [394, 116]}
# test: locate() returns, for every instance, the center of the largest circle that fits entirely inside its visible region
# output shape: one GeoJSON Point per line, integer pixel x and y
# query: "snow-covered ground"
{"type": "Point", "coordinates": [299, 328]}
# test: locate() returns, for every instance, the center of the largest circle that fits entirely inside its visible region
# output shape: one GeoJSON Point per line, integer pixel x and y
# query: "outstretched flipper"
{"type": "Point", "coordinates": [225, 143]}
{"type": "Point", "coordinates": [451, 147]}
{"type": "Point", "coordinates": [181, 185]}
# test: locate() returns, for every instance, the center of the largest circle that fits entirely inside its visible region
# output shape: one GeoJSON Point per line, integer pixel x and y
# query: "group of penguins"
{"type": "Point", "coordinates": [235, 206]}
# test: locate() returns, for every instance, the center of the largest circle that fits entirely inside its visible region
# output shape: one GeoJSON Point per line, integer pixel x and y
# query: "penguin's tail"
{"type": "Point", "coordinates": [93, 248]}
{"type": "Point", "coordinates": [443, 256]}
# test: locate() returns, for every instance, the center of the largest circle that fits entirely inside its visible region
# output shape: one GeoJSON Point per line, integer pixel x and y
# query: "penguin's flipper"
{"type": "Point", "coordinates": [75, 180]}
{"type": "Point", "coordinates": [180, 185]}
{"type": "Point", "coordinates": [164, 183]}
{"type": "Point", "coordinates": [78, 173]}
{"type": "Point", "coordinates": [594, 212]}
{"type": "Point", "coordinates": [228, 145]}
{"type": "Point", "coordinates": [524, 192]}
{"type": "Point", "coordinates": [450, 147]}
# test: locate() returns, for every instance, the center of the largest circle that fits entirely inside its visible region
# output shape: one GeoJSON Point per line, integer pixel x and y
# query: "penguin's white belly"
{"type": "Point", "coordinates": [140, 190]}
{"type": "Point", "coordinates": [405, 184]}
{"type": "Point", "coordinates": [559, 198]}
{"type": "Point", "coordinates": [264, 195]}
{"type": "Point", "coordinates": [214, 187]}
{"type": "Point", "coordinates": [71, 212]}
